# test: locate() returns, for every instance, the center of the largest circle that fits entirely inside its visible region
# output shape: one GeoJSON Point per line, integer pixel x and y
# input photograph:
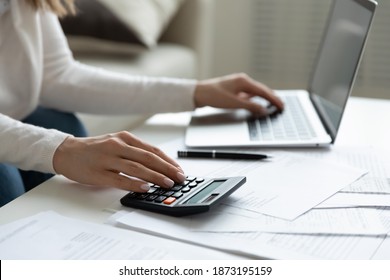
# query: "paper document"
{"type": "Point", "coordinates": [329, 247]}
{"type": "Point", "coordinates": [177, 229]}
{"type": "Point", "coordinates": [52, 236]}
{"type": "Point", "coordinates": [286, 186]}
{"type": "Point", "coordinates": [343, 200]}
{"type": "Point", "coordinates": [376, 162]}
{"type": "Point", "coordinates": [369, 184]}
{"type": "Point", "coordinates": [334, 221]}
{"type": "Point", "coordinates": [384, 214]}
{"type": "Point", "coordinates": [257, 244]}
{"type": "Point", "coordinates": [383, 253]}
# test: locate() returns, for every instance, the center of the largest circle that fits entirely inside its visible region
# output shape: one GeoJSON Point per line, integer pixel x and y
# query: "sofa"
{"type": "Point", "coordinates": [181, 50]}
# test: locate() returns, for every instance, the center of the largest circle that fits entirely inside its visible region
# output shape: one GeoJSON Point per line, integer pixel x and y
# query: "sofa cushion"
{"type": "Point", "coordinates": [146, 18]}
{"type": "Point", "coordinates": [118, 26]}
{"type": "Point", "coordinates": [168, 60]}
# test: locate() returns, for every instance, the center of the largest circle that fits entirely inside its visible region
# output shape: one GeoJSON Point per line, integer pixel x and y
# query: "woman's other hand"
{"type": "Point", "coordinates": [234, 92]}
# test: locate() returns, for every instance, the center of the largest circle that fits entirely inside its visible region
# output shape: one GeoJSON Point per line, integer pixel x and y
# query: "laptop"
{"type": "Point", "coordinates": [311, 117]}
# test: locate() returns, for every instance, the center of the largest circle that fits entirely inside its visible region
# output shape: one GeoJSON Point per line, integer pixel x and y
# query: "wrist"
{"type": "Point", "coordinates": [62, 150]}
{"type": "Point", "coordinates": [200, 94]}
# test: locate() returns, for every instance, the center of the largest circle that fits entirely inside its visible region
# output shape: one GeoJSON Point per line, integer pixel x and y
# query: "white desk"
{"type": "Point", "coordinates": [365, 122]}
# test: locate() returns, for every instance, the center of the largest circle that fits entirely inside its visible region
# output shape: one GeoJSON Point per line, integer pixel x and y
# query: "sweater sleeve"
{"type": "Point", "coordinates": [28, 147]}
{"type": "Point", "coordinates": [71, 86]}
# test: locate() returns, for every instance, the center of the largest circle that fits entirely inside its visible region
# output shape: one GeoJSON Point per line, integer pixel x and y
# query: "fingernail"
{"type": "Point", "coordinates": [168, 182]}
{"type": "Point", "coordinates": [180, 177]}
{"type": "Point", "coordinates": [145, 187]}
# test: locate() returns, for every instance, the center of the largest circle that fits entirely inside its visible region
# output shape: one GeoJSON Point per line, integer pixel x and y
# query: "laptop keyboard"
{"type": "Point", "coordinates": [292, 124]}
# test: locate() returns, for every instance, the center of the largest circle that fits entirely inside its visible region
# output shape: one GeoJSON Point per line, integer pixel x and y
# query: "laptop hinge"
{"type": "Point", "coordinates": [330, 129]}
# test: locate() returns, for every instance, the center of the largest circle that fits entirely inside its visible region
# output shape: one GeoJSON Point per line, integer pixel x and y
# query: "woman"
{"type": "Point", "coordinates": [41, 85]}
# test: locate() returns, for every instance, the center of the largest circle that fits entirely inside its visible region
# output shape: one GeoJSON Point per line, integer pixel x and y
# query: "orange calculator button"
{"type": "Point", "coordinates": [169, 200]}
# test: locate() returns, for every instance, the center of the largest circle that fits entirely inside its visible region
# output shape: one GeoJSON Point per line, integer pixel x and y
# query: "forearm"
{"type": "Point", "coordinates": [81, 88]}
{"type": "Point", "coordinates": [71, 86]}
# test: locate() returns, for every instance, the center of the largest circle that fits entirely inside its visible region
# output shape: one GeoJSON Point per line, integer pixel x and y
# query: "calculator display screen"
{"type": "Point", "coordinates": [205, 193]}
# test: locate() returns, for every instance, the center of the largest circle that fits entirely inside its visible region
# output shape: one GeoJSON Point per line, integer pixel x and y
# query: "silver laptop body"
{"type": "Point", "coordinates": [311, 117]}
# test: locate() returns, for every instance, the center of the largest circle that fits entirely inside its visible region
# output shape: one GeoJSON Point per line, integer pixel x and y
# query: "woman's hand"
{"type": "Point", "coordinates": [102, 161]}
{"type": "Point", "coordinates": [234, 92]}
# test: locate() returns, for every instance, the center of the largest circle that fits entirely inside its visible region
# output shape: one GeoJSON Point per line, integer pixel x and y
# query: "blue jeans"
{"type": "Point", "coordinates": [15, 182]}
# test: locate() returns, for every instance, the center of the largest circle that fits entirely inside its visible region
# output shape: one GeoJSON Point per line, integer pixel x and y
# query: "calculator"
{"type": "Point", "coordinates": [195, 195]}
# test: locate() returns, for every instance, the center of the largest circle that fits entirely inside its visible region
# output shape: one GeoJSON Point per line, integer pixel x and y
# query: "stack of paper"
{"type": "Point", "coordinates": [304, 204]}
{"type": "Point", "coordinates": [49, 235]}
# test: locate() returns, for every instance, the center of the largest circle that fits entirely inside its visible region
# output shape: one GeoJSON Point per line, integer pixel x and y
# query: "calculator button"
{"type": "Point", "coordinates": [192, 184]}
{"type": "Point", "coordinates": [133, 194]}
{"type": "Point", "coordinates": [152, 189]}
{"type": "Point", "coordinates": [160, 199]}
{"type": "Point", "coordinates": [177, 194]}
{"type": "Point", "coordinates": [185, 183]}
{"type": "Point", "coordinates": [176, 188]}
{"type": "Point", "coordinates": [199, 180]}
{"type": "Point", "coordinates": [141, 196]}
{"type": "Point", "coordinates": [159, 191]}
{"type": "Point", "coordinates": [168, 193]}
{"type": "Point", "coordinates": [151, 197]}
{"type": "Point", "coordinates": [169, 200]}
{"type": "Point", "coordinates": [185, 189]}
{"type": "Point", "coordinates": [190, 178]}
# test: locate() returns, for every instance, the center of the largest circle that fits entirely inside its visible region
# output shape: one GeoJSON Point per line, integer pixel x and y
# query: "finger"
{"type": "Point", "coordinates": [123, 182]}
{"type": "Point", "coordinates": [137, 170]}
{"type": "Point", "coordinates": [136, 142]}
{"type": "Point", "coordinates": [255, 88]}
{"type": "Point", "coordinates": [156, 163]}
{"type": "Point", "coordinates": [255, 108]}
{"type": "Point", "coordinates": [151, 167]}
{"type": "Point", "coordinates": [242, 100]}
{"type": "Point", "coordinates": [110, 178]}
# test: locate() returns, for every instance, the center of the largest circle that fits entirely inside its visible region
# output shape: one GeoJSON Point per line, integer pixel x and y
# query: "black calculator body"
{"type": "Point", "coordinates": [195, 195]}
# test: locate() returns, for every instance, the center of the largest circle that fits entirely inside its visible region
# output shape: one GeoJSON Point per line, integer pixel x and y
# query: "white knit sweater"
{"type": "Point", "coordinates": [37, 68]}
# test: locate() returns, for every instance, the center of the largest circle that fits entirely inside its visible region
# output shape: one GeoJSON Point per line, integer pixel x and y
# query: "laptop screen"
{"type": "Point", "coordinates": [339, 57]}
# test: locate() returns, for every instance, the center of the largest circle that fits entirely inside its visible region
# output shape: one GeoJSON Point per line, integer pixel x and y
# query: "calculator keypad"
{"type": "Point", "coordinates": [169, 196]}
{"type": "Point", "coordinates": [195, 195]}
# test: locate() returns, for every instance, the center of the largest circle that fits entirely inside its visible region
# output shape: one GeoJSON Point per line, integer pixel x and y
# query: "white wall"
{"type": "Point", "coordinates": [231, 41]}
{"type": "Point", "coordinates": [275, 41]}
